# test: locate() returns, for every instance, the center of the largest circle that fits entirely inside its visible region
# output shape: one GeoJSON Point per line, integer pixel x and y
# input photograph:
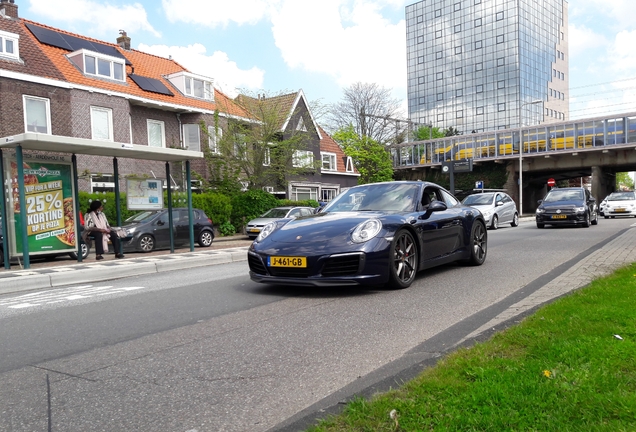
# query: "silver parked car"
{"type": "Point", "coordinates": [255, 226]}
{"type": "Point", "coordinates": [497, 208]}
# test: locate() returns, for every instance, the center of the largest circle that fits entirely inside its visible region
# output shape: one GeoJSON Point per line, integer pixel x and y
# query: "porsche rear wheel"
{"type": "Point", "coordinates": [478, 244]}
{"type": "Point", "coordinates": [404, 260]}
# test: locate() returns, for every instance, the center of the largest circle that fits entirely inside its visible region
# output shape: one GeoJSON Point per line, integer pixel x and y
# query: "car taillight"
{"type": "Point", "coordinates": [210, 220]}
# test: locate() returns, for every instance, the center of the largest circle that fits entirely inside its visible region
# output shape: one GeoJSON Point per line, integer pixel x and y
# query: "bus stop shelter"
{"type": "Point", "coordinates": [34, 142]}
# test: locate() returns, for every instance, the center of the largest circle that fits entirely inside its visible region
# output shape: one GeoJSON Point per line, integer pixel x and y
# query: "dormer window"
{"type": "Point", "coordinates": [193, 85]}
{"type": "Point", "coordinates": [9, 45]}
{"type": "Point", "coordinates": [99, 65]}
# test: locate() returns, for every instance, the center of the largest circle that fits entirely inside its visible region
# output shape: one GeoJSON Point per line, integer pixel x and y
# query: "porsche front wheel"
{"type": "Point", "coordinates": [403, 260]}
{"type": "Point", "coordinates": [478, 244]}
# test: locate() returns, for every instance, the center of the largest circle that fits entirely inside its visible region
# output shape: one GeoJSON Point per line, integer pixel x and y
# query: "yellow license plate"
{"type": "Point", "coordinates": [620, 210]}
{"type": "Point", "coordinates": [559, 216]}
{"type": "Point", "coordinates": [283, 261]}
{"type": "Point", "coordinates": [254, 230]}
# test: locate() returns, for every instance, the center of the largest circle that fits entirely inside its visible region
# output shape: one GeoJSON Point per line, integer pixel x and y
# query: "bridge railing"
{"type": "Point", "coordinates": [554, 137]}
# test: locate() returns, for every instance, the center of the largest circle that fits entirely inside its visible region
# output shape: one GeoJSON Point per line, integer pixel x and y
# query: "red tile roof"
{"type": "Point", "coordinates": [143, 64]}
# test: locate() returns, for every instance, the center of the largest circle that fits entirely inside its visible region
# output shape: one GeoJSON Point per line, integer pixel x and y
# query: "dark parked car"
{"type": "Point", "coordinates": [567, 206]}
{"type": "Point", "coordinates": [373, 234]}
{"type": "Point", "coordinates": [149, 230]}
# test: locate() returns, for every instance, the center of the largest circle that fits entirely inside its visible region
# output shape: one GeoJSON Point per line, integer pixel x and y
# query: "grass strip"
{"type": "Point", "coordinates": [571, 366]}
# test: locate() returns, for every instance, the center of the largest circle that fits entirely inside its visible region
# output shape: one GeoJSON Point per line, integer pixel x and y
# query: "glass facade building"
{"type": "Point", "coordinates": [482, 65]}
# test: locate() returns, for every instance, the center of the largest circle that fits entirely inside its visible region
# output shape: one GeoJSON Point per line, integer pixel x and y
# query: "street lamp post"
{"type": "Point", "coordinates": [538, 101]}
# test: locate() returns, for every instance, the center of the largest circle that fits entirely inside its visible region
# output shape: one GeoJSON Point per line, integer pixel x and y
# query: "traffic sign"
{"type": "Point", "coordinates": [551, 182]}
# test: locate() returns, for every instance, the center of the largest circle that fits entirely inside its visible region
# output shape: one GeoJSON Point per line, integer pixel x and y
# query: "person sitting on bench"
{"type": "Point", "coordinates": [97, 226]}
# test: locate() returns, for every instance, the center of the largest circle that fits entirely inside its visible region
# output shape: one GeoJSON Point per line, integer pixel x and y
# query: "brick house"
{"type": "Point", "coordinates": [58, 83]}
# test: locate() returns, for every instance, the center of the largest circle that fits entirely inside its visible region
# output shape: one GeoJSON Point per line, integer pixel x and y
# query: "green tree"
{"type": "Point", "coordinates": [451, 131]}
{"type": "Point", "coordinates": [258, 153]}
{"type": "Point", "coordinates": [426, 132]}
{"type": "Point", "coordinates": [371, 159]}
{"type": "Point", "coordinates": [624, 180]}
{"type": "Point", "coordinates": [371, 111]}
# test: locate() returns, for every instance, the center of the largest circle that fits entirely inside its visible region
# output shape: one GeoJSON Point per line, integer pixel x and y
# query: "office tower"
{"type": "Point", "coordinates": [480, 65]}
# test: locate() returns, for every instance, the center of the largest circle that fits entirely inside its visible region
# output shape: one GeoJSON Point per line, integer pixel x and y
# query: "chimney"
{"type": "Point", "coordinates": [8, 8]}
{"type": "Point", "coordinates": [123, 41]}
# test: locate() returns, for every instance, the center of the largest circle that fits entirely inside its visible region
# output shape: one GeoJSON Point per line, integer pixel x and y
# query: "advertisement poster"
{"type": "Point", "coordinates": [49, 204]}
{"type": "Point", "coordinates": [144, 194]}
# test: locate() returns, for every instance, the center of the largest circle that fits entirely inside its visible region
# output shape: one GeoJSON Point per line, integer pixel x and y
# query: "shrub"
{"type": "Point", "coordinates": [249, 205]}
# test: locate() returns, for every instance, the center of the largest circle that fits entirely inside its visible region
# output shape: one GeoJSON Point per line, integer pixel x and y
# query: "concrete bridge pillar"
{"type": "Point", "coordinates": [603, 183]}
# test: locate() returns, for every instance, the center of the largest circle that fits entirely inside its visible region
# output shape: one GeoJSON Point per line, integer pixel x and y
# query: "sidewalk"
{"type": "Point", "coordinates": [59, 272]}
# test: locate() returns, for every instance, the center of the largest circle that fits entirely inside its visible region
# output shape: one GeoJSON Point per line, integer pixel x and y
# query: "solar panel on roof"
{"type": "Point", "coordinates": [72, 43]}
{"type": "Point", "coordinates": [150, 84]}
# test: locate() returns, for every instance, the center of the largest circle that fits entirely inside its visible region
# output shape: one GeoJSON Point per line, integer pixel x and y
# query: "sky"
{"type": "Point", "coordinates": [323, 46]}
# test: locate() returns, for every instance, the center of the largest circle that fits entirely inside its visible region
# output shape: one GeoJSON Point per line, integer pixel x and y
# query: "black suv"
{"type": "Point", "coordinates": [567, 206]}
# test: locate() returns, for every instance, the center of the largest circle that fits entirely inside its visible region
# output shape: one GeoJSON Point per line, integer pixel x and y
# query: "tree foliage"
{"type": "Point", "coordinates": [257, 153]}
{"type": "Point", "coordinates": [426, 132]}
{"type": "Point", "coordinates": [371, 159]}
{"type": "Point", "coordinates": [372, 112]}
{"type": "Point", "coordinates": [624, 181]}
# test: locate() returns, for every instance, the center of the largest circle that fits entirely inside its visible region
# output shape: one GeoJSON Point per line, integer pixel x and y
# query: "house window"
{"type": "Point", "coordinates": [420, 80]}
{"type": "Point", "coordinates": [9, 45]}
{"type": "Point", "coordinates": [329, 194]}
{"type": "Point", "coordinates": [438, 34]}
{"type": "Point", "coordinates": [480, 110]}
{"type": "Point", "coordinates": [102, 123]}
{"type": "Point", "coordinates": [457, 6]}
{"type": "Point", "coordinates": [440, 117]}
{"type": "Point", "coordinates": [329, 162]}
{"type": "Point", "coordinates": [438, 13]}
{"type": "Point", "coordinates": [156, 134]}
{"type": "Point", "coordinates": [349, 164]}
{"type": "Point", "coordinates": [99, 65]}
{"type": "Point", "coordinates": [501, 84]}
{"type": "Point", "coordinates": [458, 50]}
{"type": "Point", "coordinates": [458, 71]}
{"type": "Point", "coordinates": [37, 114]}
{"type": "Point", "coordinates": [458, 28]}
{"type": "Point", "coordinates": [500, 39]}
{"type": "Point", "coordinates": [193, 85]}
{"type": "Point", "coordinates": [440, 96]}
{"type": "Point", "coordinates": [304, 193]}
{"type": "Point", "coordinates": [479, 88]}
{"type": "Point", "coordinates": [478, 45]}
{"type": "Point", "coordinates": [422, 100]}
{"type": "Point", "coordinates": [301, 125]}
{"type": "Point", "coordinates": [479, 66]}
{"type": "Point", "coordinates": [303, 159]}
{"type": "Point", "coordinates": [439, 75]}
{"type": "Point", "coordinates": [266, 157]}
{"type": "Point", "coordinates": [420, 19]}
{"type": "Point", "coordinates": [501, 61]}
{"type": "Point", "coordinates": [478, 22]}
{"type": "Point", "coordinates": [459, 92]}
{"type": "Point", "coordinates": [438, 55]}
{"type": "Point", "coordinates": [420, 60]}
{"type": "Point", "coordinates": [191, 137]}
{"type": "Point", "coordinates": [459, 114]}
{"type": "Point", "coordinates": [214, 139]}
{"type": "Point", "coordinates": [501, 107]}
{"type": "Point", "coordinates": [499, 16]}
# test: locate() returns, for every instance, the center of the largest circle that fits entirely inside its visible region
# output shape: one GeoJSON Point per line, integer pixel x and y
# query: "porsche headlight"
{"type": "Point", "coordinates": [579, 209]}
{"type": "Point", "coordinates": [540, 210]}
{"type": "Point", "coordinates": [366, 231]}
{"type": "Point", "coordinates": [267, 230]}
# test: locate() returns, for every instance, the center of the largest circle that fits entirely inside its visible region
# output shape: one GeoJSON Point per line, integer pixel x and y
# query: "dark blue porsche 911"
{"type": "Point", "coordinates": [373, 234]}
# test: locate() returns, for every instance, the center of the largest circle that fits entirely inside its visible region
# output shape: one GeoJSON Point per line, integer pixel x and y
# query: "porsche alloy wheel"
{"type": "Point", "coordinates": [404, 259]}
{"type": "Point", "coordinates": [478, 244]}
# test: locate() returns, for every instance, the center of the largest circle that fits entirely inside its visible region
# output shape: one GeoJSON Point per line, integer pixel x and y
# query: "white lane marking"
{"type": "Point", "coordinates": [64, 295]}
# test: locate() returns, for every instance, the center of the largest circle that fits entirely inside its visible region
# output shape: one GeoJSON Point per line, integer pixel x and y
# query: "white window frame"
{"type": "Point", "coordinates": [311, 191]}
{"type": "Point", "coordinates": [303, 159]}
{"type": "Point", "coordinates": [162, 129]}
{"type": "Point", "coordinates": [329, 161]}
{"type": "Point", "coordinates": [214, 137]}
{"type": "Point", "coordinates": [301, 125]}
{"type": "Point", "coordinates": [7, 39]}
{"type": "Point", "coordinates": [47, 107]}
{"type": "Point", "coordinates": [187, 144]}
{"type": "Point", "coordinates": [185, 81]}
{"type": "Point", "coordinates": [79, 58]}
{"type": "Point", "coordinates": [109, 118]}
{"type": "Point", "coordinates": [267, 156]}
{"type": "Point", "coordinates": [349, 168]}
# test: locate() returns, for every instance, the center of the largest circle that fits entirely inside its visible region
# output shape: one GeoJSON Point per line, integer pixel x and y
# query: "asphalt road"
{"type": "Point", "coordinates": [208, 350]}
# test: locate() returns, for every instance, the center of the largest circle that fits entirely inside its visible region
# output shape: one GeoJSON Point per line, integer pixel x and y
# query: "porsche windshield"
{"type": "Point", "coordinates": [377, 197]}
